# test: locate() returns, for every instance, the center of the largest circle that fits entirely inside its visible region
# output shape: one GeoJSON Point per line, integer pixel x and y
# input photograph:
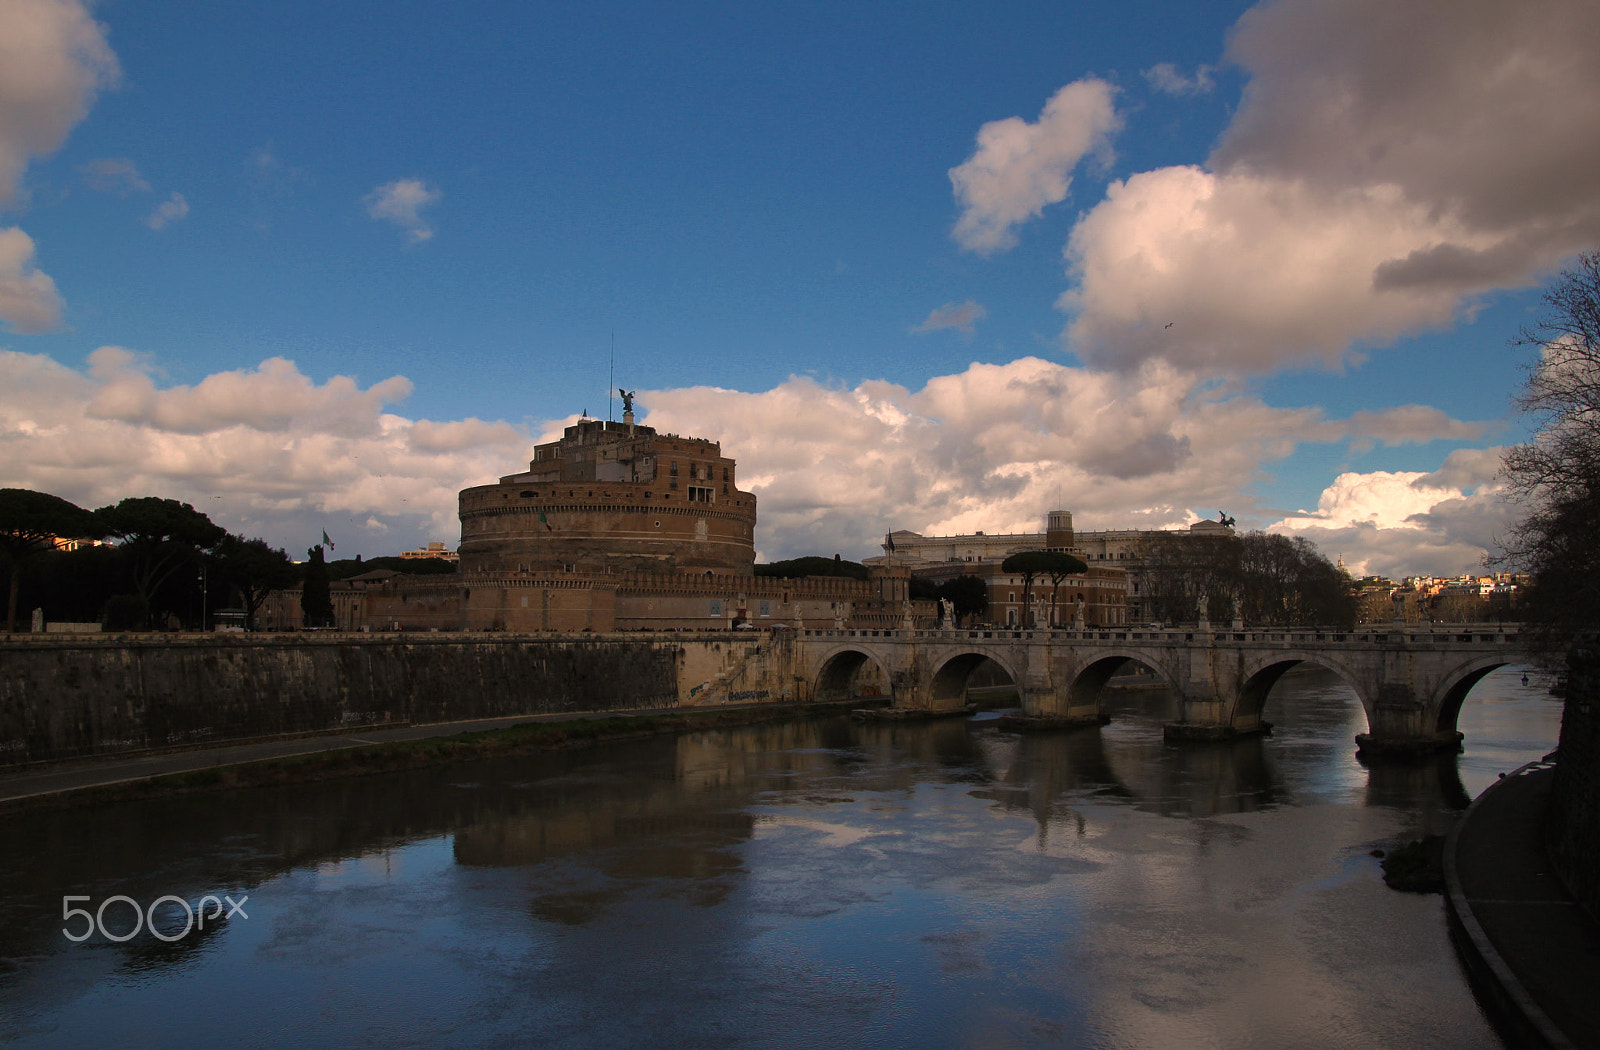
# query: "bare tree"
{"type": "Point", "coordinates": [1556, 476]}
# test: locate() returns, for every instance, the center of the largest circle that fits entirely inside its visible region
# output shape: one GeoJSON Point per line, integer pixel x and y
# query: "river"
{"type": "Point", "coordinates": [820, 883]}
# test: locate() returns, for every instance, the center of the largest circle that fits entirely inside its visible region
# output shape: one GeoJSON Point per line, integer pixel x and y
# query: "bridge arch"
{"type": "Point", "coordinates": [1261, 673]}
{"type": "Point", "coordinates": [1457, 683]}
{"type": "Point", "coordinates": [838, 669]}
{"type": "Point", "coordinates": [1089, 681]}
{"type": "Point", "coordinates": [947, 685]}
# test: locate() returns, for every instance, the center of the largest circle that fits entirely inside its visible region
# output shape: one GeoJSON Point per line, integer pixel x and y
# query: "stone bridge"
{"type": "Point", "coordinates": [1411, 680]}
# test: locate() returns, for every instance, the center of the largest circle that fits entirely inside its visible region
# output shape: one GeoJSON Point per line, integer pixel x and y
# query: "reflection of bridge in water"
{"type": "Point", "coordinates": [1411, 680]}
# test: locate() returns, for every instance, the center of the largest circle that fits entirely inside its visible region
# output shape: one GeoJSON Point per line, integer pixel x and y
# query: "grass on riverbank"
{"type": "Point", "coordinates": [396, 756]}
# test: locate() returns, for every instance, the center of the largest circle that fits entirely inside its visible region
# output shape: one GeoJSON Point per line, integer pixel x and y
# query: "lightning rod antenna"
{"type": "Point", "coordinates": [613, 387]}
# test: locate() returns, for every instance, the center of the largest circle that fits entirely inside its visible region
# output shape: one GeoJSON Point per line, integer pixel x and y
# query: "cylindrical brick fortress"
{"type": "Point", "coordinates": [612, 497]}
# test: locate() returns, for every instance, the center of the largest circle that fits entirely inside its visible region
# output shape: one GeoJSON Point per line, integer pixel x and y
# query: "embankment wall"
{"type": "Point", "coordinates": [70, 697]}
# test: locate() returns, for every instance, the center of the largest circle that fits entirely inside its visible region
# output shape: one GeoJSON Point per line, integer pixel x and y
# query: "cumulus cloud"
{"type": "Point", "coordinates": [117, 175]}
{"type": "Point", "coordinates": [28, 299]}
{"type": "Point", "coordinates": [276, 397]}
{"type": "Point", "coordinates": [1385, 166]}
{"type": "Point", "coordinates": [1167, 79]}
{"type": "Point", "coordinates": [995, 446]}
{"type": "Point", "coordinates": [1251, 273]}
{"type": "Point", "coordinates": [170, 210]}
{"type": "Point", "coordinates": [53, 61]}
{"type": "Point", "coordinates": [1020, 168]}
{"type": "Point", "coordinates": [960, 316]}
{"type": "Point", "coordinates": [267, 451]}
{"type": "Point", "coordinates": [401, 202]}
{"type": "Point", "coordinates": [1411, 523]}
{"type": "Point", "coordinates": [992, 447]}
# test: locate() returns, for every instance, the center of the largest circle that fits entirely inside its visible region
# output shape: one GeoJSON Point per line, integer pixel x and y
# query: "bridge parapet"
{"type": "Point", "coordinates": [1410, 679]}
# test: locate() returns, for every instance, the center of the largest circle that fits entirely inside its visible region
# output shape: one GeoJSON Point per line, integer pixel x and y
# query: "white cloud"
{"type": "Point", "coordinates": [401, 202]}
{"type": "Point", "coordinates": [1384, 499]}
{"type": "Point", "coordinates": [992, 447]}
{"type": "Point", "coordinates": [1400, 524]}
{"type": "Point", "coordinates": [274, 398]}
{"type": "Point", "coordinates": [28, 299]}
{"type": "Point", "coordinates": [1251, 273]}
{"type": "Point", "coordinates": [1386, 165]}
{"type": "Point", "coordinates": [1166, 78]}
{"type": "Point", "coordinates": [172, 209]}
{"type": "Point", "coordinates": [960, 316]}
{"type": "Point", "coordinates": [995, 446]}
{"type": "Point", "coordinates": [117, 175]}
{"type": "Point", "coordinates": [268, 452]}
{"type": "Point", "coordinates": [53, 61]}
{"type": "Point", "coordinates": [1020, 168]}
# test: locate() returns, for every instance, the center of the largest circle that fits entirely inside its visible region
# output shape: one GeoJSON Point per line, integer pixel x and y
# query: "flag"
{"type": "Point", "coordinates": [326, 540]}
{"type": "Point", "coordinates": [888, 541]}
{"type": "Point", "coordinates": [545, 522]}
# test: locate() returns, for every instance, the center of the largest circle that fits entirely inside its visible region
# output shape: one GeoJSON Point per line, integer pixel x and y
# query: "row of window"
{"type": "Point", "coordinates": [696, 494]}
{"type": "Point", "coordinates": [698, 472]}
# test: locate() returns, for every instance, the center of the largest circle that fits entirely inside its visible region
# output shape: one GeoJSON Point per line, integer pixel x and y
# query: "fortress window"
{"type": "Point", "coordinates": [529, 494]}
{"type": "Point", "coordinates": [724, 473]}
{"type": "Point", "coordinates": [674, 470]}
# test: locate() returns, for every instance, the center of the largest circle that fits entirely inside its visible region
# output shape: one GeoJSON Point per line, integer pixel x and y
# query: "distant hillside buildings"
{"type": "Point", "coordinates": [435, 550]}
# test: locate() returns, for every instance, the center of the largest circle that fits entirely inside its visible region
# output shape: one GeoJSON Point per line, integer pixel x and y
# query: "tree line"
{"type": "Point", "coordinates": [167, 563]}
{"type": "Point", "coordinates": [1258, 577]}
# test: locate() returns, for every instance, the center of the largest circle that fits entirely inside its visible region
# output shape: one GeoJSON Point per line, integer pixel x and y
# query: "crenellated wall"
{"type": "Point", "coordinates": [65, 698]}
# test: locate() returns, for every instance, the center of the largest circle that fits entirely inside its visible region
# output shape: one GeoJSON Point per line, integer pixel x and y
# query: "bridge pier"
{"type": "Point", "coordinates": [1402, 723]}
{"type": "Point", "coordinates": [1045, 706]}
{"type": "Point", "coordinates": [1209, 718]}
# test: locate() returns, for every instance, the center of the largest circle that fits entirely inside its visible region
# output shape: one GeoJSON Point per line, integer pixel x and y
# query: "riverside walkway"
{"type": "Point", "coordinates": [1533, 952]}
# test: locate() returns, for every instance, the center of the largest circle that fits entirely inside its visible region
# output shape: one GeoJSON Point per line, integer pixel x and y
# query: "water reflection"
{"type": "Point", "coordinates": [945, 883]}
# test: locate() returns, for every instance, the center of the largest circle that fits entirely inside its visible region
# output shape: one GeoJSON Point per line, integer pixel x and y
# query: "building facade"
{"type": "Point", "coordinates": [613, 527]}
{"type": "Point", "coordinates": [1111, 555]}
{"type": "Point", "coordinates": [612, 497]}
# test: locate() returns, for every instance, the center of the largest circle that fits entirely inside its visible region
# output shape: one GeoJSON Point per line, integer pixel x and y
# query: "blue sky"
{"type": "Point", "coordinates": [913, 265]}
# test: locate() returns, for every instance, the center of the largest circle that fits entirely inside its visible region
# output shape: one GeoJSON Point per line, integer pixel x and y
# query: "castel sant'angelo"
{"type": "Point", "coordinates": [617, 527]}
{"type": "Point", "coordinates": [613, 497]}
